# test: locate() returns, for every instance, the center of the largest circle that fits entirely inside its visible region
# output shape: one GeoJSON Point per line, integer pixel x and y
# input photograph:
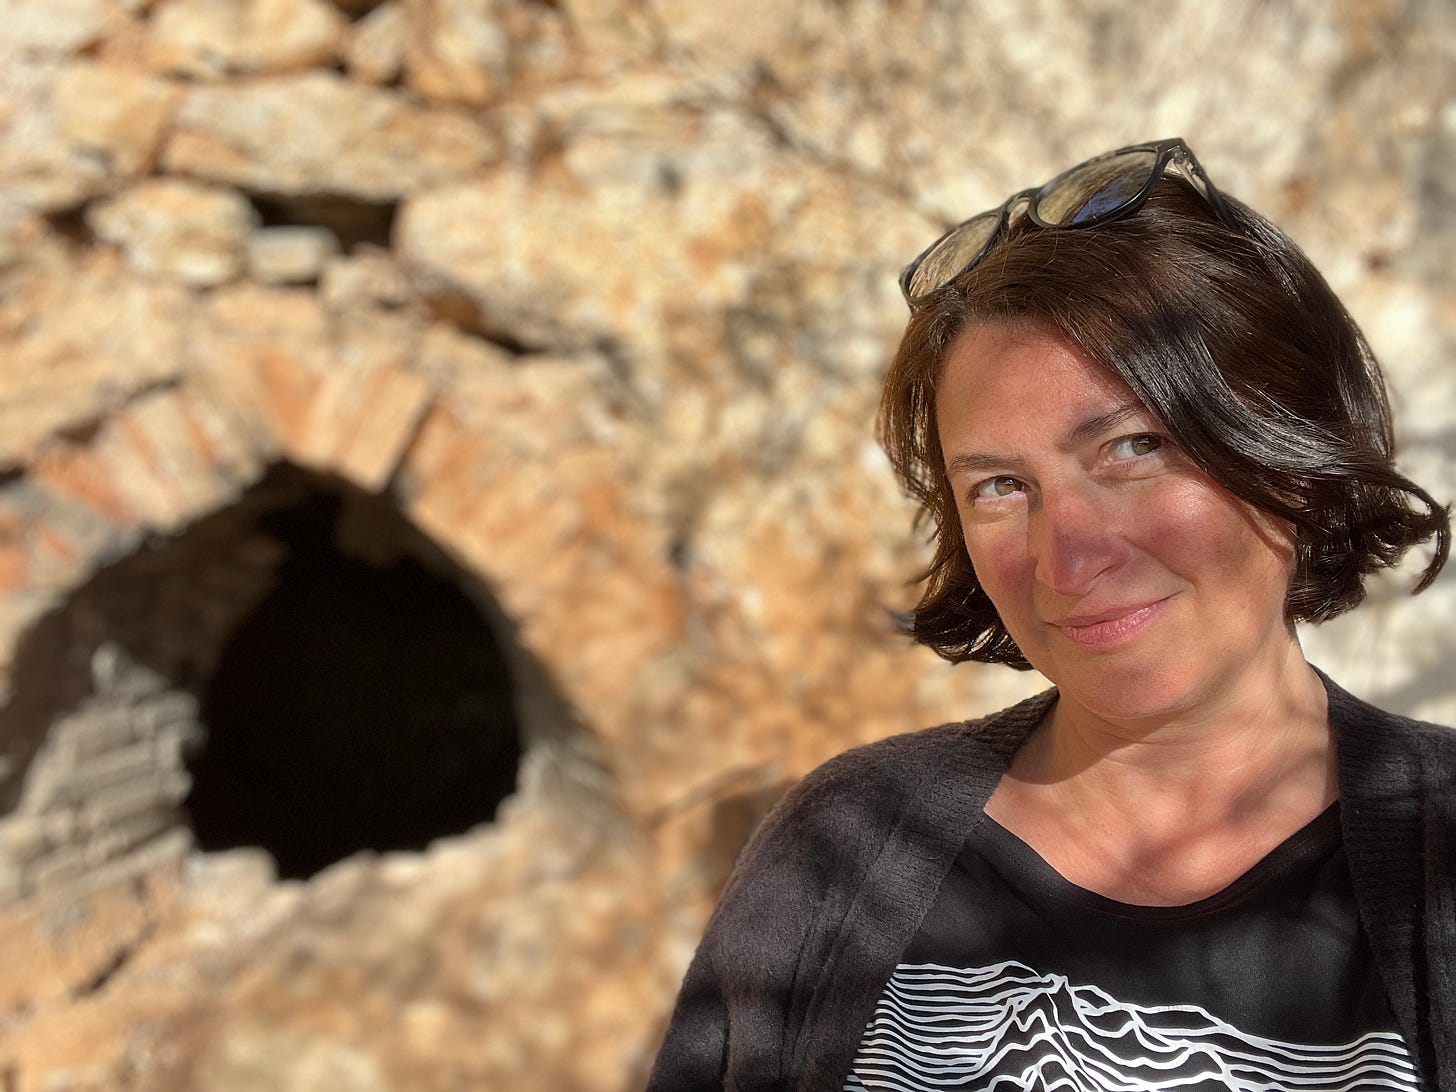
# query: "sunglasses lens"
{"type": "Point", "coordinates": [953, 254]}
{"type": "Point", "coordinates": [1094, 190]}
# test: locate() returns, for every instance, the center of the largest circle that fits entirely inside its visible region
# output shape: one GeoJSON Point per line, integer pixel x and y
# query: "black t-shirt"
{"type": "Point", "coordinates": [1019, 979]}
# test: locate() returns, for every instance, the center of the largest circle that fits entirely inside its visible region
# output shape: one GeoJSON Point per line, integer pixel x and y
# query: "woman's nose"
{"type": "Point", "coordinates": [1075, 537]}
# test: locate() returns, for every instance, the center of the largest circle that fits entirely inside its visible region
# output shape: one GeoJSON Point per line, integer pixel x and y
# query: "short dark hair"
{"type": "Point", "coordinates": [1231, 337]}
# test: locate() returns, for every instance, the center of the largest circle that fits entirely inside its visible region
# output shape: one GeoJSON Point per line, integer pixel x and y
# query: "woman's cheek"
{"type": "Point", "coordinates": [1199, 529]}
{"type": "Point", "coordinates": [999, 555]}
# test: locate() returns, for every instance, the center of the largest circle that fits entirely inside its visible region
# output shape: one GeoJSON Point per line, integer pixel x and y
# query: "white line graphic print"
{"type": "Point", "coordinates": [1007, 1028]}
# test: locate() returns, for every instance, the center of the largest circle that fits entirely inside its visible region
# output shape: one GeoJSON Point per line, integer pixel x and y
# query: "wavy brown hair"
{"type": "Point", "coordinates": [1231, 337]}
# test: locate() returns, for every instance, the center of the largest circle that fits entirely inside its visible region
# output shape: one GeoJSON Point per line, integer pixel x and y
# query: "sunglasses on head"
{"type": "Point", "coordinates": [1106, 188]}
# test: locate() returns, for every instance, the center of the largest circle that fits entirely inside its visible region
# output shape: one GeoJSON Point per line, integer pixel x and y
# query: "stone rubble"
{"type": "Point", "coordinates": [290, 255]}
{"type": "Point", "coordinates": [316, 132]}
{"type": "Point", "coordinates": [171, 229]}
{"type": "Point", "coordinates": [205, 39]}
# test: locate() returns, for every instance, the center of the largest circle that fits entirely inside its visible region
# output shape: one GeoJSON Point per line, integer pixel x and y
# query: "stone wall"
{"type": "Point", "coordinates": [596, 295]}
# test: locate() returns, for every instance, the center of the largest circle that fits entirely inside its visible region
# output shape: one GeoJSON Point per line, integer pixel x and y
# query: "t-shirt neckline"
{"type": "Point", "coordinates": [1317, 839]}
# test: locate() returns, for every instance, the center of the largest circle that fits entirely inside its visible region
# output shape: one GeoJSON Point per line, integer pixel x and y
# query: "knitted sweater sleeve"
{"type": "Point", "coordinates": [1398, 805]}
{"type": "Point", "coordinates": [1439, 927]}
{"type": "Point", "coordinates": [742, 1006]}
{"type": "Point", "coordinates": [825, 897]}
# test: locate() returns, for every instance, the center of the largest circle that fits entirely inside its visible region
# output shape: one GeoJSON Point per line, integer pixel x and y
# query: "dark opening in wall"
{"type": "Point", "coordinates": [70, 224]}
{"type": "Point", "coordinates": [352, 221]}
{"type": "Point", "coordinates": [362, 704]}
{"type": "Point", "coordinates": [357, 9]}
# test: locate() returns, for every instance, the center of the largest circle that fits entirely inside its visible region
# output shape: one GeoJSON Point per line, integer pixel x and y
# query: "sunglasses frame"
{"type": "Point", "coordinates": [1174, 150]}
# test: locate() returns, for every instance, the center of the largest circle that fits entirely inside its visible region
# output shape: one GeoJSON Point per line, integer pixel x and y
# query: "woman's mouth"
{"type": "Point", "coordinates": [1109, 628]}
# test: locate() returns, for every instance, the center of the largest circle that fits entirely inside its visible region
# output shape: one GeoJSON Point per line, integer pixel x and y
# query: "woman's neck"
{"type": "Point", "coordinates": [1166, 810]}
{"type": "Point", "coordinates": [1258, 725]}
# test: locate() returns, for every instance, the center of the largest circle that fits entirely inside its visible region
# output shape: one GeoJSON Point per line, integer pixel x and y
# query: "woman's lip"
{"type": "Point", "coordinates": [1107, 632]}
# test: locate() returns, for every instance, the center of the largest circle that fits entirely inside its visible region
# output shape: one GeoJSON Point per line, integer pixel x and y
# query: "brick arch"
{"type": "Point", "coordinates": [586, 591]}
{"type": "Point", "coordinates": [570, 565]}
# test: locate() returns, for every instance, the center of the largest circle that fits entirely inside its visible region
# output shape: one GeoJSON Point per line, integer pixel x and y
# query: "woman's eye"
{"type": "Point", "coordinates": [1002, 486]}
{"type": "Point", "coordinates": [1131, 447]}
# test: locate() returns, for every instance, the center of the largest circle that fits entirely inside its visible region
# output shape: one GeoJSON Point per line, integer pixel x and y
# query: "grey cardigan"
{"type": "Point", "coordinates": [834, 884]}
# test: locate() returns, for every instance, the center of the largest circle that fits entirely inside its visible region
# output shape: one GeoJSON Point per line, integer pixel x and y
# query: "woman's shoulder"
{"type": "Point", "coordinates": [986, 737]}
{"type": "Point", "coordinates": [831, 831]}
{"type": "Point", "coordinates": [1378, 744]}
{"type": "Point", "coordinates": [900, 766]}
{"type": "Point", "coordinates": [1351, 713]}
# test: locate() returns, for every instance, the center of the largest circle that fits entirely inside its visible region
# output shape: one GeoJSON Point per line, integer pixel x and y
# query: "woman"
{"type": "Point", "coordinates": [1150, 440]}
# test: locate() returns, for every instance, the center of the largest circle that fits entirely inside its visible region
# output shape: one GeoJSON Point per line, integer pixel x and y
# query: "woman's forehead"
{"type": "Point", "coordinates": [1001, 370]}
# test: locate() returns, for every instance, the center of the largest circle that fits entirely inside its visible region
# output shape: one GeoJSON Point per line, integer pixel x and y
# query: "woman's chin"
{"type": "Point", "coordinates": [1130, 690]}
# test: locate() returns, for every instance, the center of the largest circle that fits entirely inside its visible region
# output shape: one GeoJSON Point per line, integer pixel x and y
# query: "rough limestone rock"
{"type": "Point", "coordinates": [41, 170]}
{"type": "Point", "coordinates": [58, 27]}
{"type": "Point", "coordinates": [319, 133]}
{"type": "Point", "coordinates": [474, 52]}
{"type": "Point", "coordinates": [120, 113]}
{"type": "Point", "coordinates": [170, 228]}
{"type": "Point", "coordinates": [80, 339]}
{"type": "Point", "coordinates": [290, 255]}
{"type": "Point", "coordinates": [580, 307]}
{"type": "Point", "coordinates": [208, 38]}
{"type": "Point", "coordinates": [375, 47]}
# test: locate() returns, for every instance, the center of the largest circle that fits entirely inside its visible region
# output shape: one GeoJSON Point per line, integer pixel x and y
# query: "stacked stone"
{"type": "Point", "coordinates": [599, 293]}
{"type": "Point", "coordinates": [100, 799]}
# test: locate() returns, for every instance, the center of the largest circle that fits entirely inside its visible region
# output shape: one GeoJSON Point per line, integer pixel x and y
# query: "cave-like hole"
{"type": "Point", "coordinates": [364, 702]}
{"type": "Point", "coordinates": [357, 9]}
{"type": "Point", "coordinates": [70, 224]}
{"type": "Point", "coordinates": [352, 221]}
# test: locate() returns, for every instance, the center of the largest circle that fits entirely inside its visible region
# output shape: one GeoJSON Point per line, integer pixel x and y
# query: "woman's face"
{"type": "Point", "coordinates": [1126, 575]}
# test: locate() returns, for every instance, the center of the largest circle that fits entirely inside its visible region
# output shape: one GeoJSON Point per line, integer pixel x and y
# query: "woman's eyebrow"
{"type": "Point", "coordinates": [980, 460]}
{"type": "Point", "coordinates": [1080, 434]}
{"type": "Point", "coordinates": [1094, 427]}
